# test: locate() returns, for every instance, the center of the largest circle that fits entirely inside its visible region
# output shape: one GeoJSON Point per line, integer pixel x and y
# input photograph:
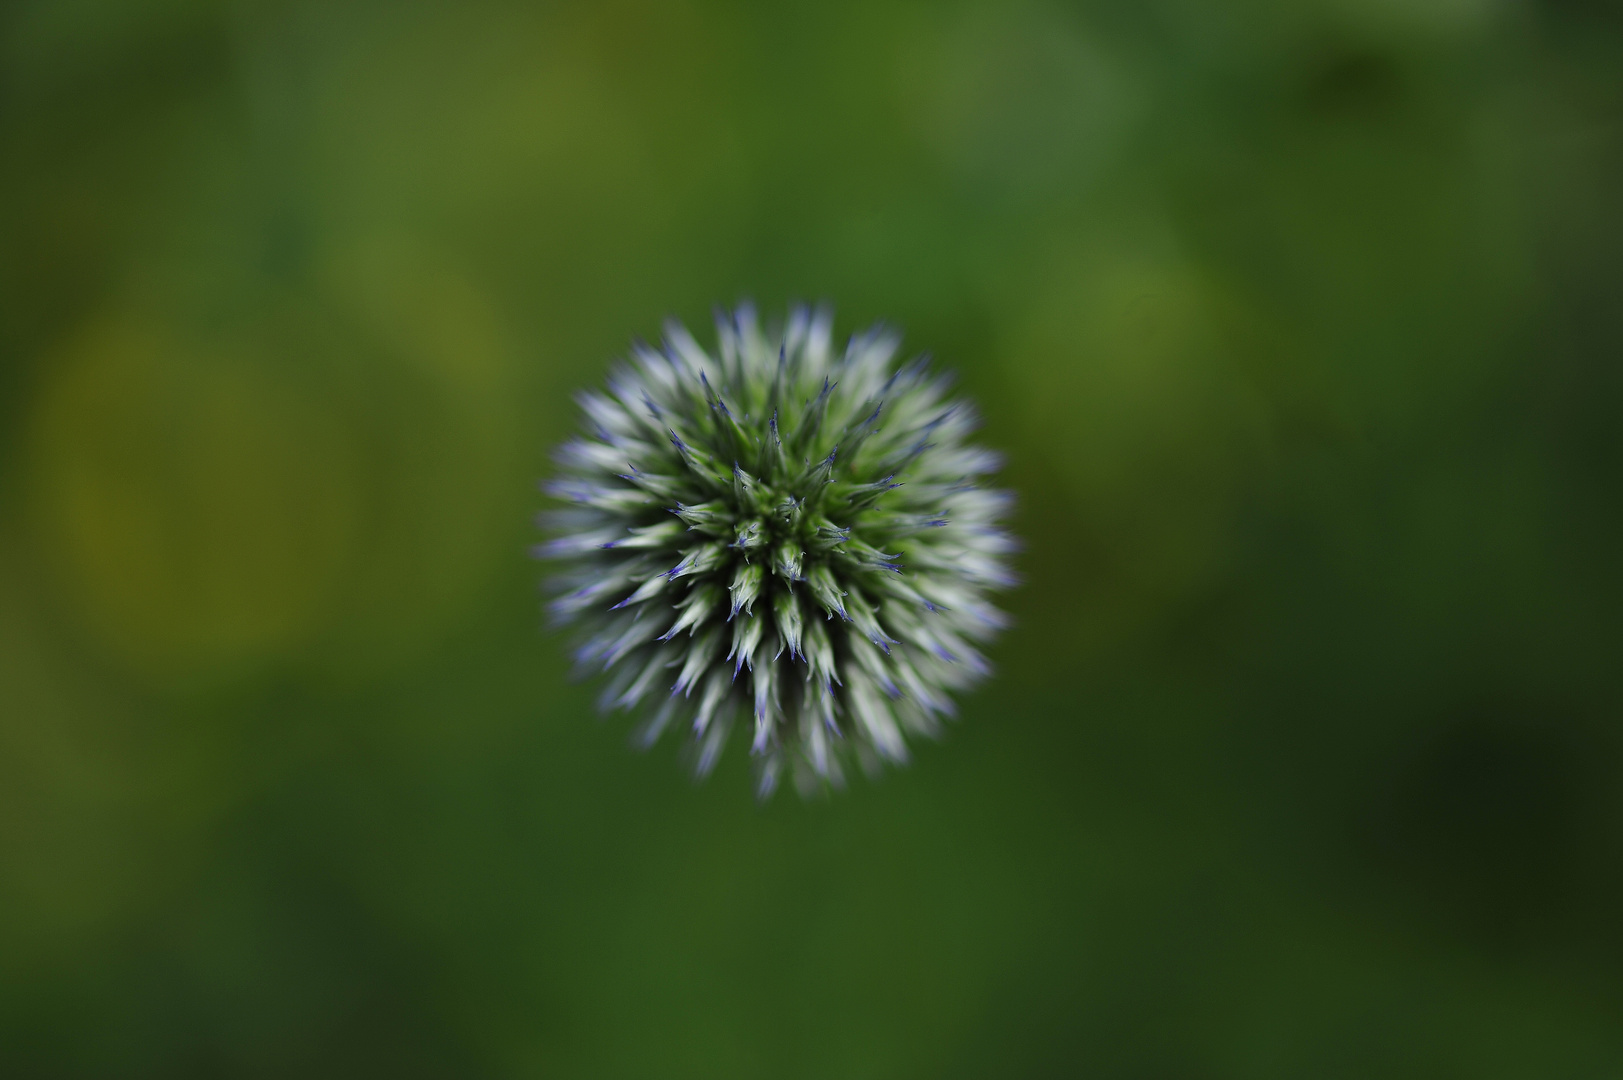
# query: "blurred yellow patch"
{"type": "Point", "coordinates": [323, 481]}
{"type": "Point", "coordinates": [447, 497]}
{"type": "Point", "coordinates": [199, 504]}
{"type": "Point", "coordinates": [1139, 374]}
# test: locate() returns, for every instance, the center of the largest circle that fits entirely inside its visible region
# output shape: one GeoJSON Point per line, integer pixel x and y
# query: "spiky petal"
{"type": "Point", "coordinates": [777, 532]}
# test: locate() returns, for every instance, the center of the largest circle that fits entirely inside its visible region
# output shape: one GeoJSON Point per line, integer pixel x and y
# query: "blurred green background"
{"type": "Point", "coordinates": [1301, 323]}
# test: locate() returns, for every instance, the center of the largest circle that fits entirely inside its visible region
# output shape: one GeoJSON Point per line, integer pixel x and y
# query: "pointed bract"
{"type": "Point", "coordinates": [783, 533]}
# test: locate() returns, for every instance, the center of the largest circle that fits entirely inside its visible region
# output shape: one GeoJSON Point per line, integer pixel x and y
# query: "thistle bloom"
{"type": "Point", "coordinates": [781, 533]}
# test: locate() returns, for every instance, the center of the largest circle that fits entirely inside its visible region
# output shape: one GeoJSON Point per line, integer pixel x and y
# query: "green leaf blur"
{"type": "Point", "coordinates": [1301, 324]}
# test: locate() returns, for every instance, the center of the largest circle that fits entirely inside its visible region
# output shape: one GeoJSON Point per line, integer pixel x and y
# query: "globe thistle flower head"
{"type": "Point", "coordinates": [779, 534]}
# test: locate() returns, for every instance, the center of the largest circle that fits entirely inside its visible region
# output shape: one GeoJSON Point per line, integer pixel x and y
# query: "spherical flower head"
{"type": "Point", "coordinates": [779, 533]}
